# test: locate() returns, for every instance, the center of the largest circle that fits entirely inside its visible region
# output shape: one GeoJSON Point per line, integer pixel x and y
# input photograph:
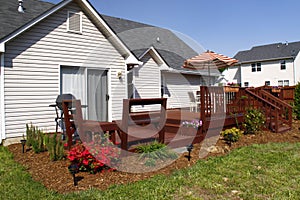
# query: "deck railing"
{"type": "Point", "coordinates": [270, 110]}
{"type": "Point", "coordinates": [285, 110]}
{"type": "Point", "coordinates": [215, 102]}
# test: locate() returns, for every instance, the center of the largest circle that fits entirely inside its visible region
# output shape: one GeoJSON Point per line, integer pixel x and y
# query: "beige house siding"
{"type": "Point", "coordinates": [177, 87]}
{"type": "Point", "coordinates": [32, 69]}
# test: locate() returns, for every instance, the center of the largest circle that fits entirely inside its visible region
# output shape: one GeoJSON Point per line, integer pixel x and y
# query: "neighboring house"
{"type": "Point", "coordinates": [70, 48]}
{"type": "Point", "coordinates": [273, 64]}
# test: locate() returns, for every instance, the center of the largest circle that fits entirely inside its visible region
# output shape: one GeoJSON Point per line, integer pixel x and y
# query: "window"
{"type": "Point", "coordinates": [267, 83]}
{"type": "Point", "coordinates": [286, 83]}
{"type": "Point", "coordinates": [130, 84]}
{"type": "Point", "coordinates": [74, 23]}
{"type": "Point", "coordinates": [246, 84]}
{"type": "Point", "coordinates": [256, 67]}
{"type": "Point", "coordinates": [282, 65]}
{"type": "Point", "coordinates": [253, 66]}
{"type": "Point", "coordinates": [283, 83]}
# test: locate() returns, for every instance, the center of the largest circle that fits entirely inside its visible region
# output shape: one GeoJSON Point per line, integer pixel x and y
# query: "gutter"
{"type": "Point", "coordinates": [263, 60]}
{"type": "Point", "coordinates": [294, 70]}
{"type": "Point", "coordinates": [196, 72]}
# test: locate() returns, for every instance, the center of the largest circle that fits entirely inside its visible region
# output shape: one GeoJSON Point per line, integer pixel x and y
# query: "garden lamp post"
{"type": "Point", "coordinates": [189, 149]}
{"type": "Point", "coordinates": [74, 169]}
{"type": "Point", "coordinates": [23, 142]}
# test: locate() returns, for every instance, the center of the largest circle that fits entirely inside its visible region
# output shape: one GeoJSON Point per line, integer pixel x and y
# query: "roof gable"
{"type": "Point", "coordinates": [269, 52]}
{"type": "Point", "coordinates": [86, 7]}
{"type": "Point", "coordinates": [129, 36]}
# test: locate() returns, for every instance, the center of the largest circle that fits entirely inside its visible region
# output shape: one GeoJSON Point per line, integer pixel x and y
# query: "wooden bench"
{"type": "Point", "coordinates": [86, 128]}
{"type": "Point", "coordinates": [141, 125]}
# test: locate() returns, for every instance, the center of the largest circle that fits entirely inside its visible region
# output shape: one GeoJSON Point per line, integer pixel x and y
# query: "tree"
{"type": "Point", "coordinates": [297, 101]}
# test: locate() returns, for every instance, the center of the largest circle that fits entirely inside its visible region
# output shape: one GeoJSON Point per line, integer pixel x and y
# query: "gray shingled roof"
{"type": "Point", "coordinates": [138, 37]}
{"type": "Point", "coordinates": [269, 52]}
{"type": "Point", "coordinates": [11, 19]}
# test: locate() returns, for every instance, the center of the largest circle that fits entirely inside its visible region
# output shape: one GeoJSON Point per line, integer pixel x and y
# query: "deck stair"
{"type": "Point", "coordinates": [278, 113]}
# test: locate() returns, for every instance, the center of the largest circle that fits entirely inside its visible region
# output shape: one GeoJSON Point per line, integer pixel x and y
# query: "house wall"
{"type": "Point", "coordinates": [232, 74]}
{"type": "Point", "coordinates": [177, 87]}
{"type": "Point", "coordinates": [297, 69]}
{"type": "Point", "coordinates": [32, 69]}
{"type": "Point", "coordinates": [2, 130]}
{"type": "Point", "coordinates": [270, 71]}
{"type": "Point", "coordinates": [147, 81]}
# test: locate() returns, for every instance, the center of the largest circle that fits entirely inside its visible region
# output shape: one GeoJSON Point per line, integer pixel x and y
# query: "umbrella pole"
{"type": "Point", "coordinates": [209, 79]}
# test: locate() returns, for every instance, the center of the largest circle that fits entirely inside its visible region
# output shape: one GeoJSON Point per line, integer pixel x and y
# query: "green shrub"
{"type": "Point", "coordinates": [232, 135]}
{"type": "Point", "coordinates": [297, 101]}
{"type": "Point", "coordinates": [55, 147]}
{"type": "Point", "coordinates": [254, 121]}
{"type": "Point", "coordinates": [35, 138]}
{"type": "Point", "coordinates": [40, 142]}
{"type": "Point", "coordinates": [153, 151]}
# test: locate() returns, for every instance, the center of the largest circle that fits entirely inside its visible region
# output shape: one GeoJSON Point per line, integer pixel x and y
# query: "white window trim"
{"type": "Point", "coordinates": [68, 18]}
{"type": "Point", "coordinates": [282, 62]}
{"type": "Point", "coordinates": [255, 67]}
{"type": "Point", "coordinates": [284, 82]}
{"type": "Point", "coordinates": [109, 91]}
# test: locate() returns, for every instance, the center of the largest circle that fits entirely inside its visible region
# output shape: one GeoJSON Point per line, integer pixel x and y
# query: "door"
{"type": "Point", "coordinates": [90, 86]}
{"type": "Point", "coordinates": [97, 95]}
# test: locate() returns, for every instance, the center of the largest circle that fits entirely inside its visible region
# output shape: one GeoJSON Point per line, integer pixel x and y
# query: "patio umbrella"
{"type": "Point", "coordinates": [209, 60]}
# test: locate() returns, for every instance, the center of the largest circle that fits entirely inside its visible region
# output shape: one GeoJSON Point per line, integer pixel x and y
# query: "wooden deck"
{"type": "Point", "coordinates": [175, 135]}
{"type": "Point", "coordinates": [218, 110]}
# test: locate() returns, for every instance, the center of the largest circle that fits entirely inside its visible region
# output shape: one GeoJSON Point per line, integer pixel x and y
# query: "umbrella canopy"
{"type": "Point", "coordinates": [209, 60]}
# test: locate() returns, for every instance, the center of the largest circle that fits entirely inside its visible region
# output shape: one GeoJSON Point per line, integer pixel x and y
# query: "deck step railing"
{"type": "Point", "coordinates": [215, 102]}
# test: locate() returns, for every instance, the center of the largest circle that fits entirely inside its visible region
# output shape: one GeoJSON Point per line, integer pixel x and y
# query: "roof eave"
{"type": "Point", "coordinates": [199, 73]}
{"type": "Point", "coordinates": [109, 33]}
{"type": "Point", "coordinates": [264, 60]}
{"type": "Point", "coordinates": [31, 23]}
{"type": "Point", "coordinates": [157, 57]}
{"type": "Point", "coordinates": [112, 37]}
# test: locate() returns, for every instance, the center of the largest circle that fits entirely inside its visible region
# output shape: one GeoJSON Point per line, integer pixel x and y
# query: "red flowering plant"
{"type": "Point", "coordinates": [95, 156]}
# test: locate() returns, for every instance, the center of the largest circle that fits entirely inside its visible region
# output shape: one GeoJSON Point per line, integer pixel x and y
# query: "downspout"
{"type": "Point", "coordinates": [294, 70]}
{"type": "Point", "coordinates": [2, 119]}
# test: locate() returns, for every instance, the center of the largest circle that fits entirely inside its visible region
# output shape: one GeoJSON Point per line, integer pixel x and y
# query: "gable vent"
{"type": "Point", "coordinates": [74, 22]}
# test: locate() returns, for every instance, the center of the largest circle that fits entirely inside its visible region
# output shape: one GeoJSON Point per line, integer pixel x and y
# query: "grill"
{"type": "Point", "coordinates": [58, 109]}
{"type": "Point", "coordinates": [62, 97]}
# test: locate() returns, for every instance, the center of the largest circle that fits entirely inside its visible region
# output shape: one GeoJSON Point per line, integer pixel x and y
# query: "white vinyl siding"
{"type": "Point", "coordinates": [270, 70]}
{"type": "Point", "coordinates": [2, 119]}
{"type": "Point", "coordinates": [147, 80]}
{"type": "Point", "coordinates": [177, 87]}
{"type": "Point", "coordinates": [32, 67]}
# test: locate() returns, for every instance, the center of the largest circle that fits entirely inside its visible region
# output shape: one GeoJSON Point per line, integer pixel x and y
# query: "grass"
{"type": "Point", "coordinates": [268, 171]}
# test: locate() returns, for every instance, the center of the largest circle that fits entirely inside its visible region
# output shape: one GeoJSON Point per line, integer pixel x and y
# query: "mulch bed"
{"type": "Point", "coordinates": [55, 175]}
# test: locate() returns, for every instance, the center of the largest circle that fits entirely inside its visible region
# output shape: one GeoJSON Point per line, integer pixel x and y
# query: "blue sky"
{"type": "Point", "coordinates": [223, 26]}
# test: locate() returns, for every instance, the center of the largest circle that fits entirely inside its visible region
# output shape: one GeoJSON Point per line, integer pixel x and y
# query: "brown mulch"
{"type": "Point", "coordinates": [55, 175]}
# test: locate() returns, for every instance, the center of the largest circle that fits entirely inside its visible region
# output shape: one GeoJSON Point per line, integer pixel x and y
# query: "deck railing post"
{"type": "Point", "coordinates": [203, 108]}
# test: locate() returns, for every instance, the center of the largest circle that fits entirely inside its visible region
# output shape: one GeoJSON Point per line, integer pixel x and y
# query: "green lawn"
{"type": "Point", "coordinates": [269, 171]}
